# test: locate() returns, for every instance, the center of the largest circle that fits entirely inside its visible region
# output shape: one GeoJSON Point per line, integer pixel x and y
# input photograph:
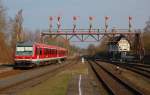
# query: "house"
{"type": "Point", "coordinates": [118, 46]}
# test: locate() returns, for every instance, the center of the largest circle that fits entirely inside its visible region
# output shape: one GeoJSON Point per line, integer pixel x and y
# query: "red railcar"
{"type": "Point", "coordinates": [29, 54]}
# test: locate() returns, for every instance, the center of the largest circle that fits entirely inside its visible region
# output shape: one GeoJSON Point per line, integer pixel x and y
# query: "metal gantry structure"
{"type": "Point", "coordinates": [80, 34]}
{"type": "Point", "coordinates": [96, 34]}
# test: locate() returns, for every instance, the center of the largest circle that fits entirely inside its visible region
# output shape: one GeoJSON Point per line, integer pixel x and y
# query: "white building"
{"type": "Point", "coordinates": [118, 46]}
{"type": "Point", "coordinates": [123, 45]}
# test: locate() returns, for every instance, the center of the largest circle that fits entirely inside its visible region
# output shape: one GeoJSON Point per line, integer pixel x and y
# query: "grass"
{"type": "Point", "coordinates": [58, 84]}
{"type": "Point", "coordinates": [50, 87]}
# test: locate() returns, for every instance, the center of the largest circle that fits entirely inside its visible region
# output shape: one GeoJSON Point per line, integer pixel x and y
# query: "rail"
{"type": "Point", "coordinates": [114, 84]}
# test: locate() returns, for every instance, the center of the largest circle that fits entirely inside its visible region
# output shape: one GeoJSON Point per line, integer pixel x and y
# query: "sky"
{"type": "Point", "coordinates": [36, 12]}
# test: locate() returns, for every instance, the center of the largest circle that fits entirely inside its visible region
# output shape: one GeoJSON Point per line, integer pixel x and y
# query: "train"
{"type": "Point", "coordinates": [32, 54]}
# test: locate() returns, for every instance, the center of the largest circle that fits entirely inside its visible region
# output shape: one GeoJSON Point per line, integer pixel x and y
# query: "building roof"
{"type": "Point", "coordinates": [114, 40]}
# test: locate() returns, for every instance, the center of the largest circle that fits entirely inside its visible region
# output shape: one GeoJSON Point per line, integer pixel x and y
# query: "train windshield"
{"type": "Point", "coordinates": [24, 50]}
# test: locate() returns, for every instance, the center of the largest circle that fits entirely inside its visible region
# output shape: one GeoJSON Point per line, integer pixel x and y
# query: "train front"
{"type": "Point", "coordinates": [24, 55]}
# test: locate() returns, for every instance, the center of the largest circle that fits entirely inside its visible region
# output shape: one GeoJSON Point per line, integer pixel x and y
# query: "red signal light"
{"type": "Point", "coordinates": [130, 18]}
{"type": "Point", "coordinates": [50, 18]}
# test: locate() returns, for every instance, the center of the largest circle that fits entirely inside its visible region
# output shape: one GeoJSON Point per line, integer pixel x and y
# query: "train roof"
{"type": "Point", "coordinates": [25, 43]}
{"type": "Point", "coordinates": [30, 43]}
{"type": "Point", "coordinates": [49, 46]}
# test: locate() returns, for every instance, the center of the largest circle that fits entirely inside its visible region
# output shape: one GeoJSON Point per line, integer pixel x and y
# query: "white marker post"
{"type": "Point", "coordinates": [82, 59]}
{"type": "Point", "coordinates": [80, 91]}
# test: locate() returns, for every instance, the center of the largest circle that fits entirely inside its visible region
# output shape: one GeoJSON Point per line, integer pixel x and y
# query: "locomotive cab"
{"type": "Point", "coordinates": [24, 50]}
{"type": "Point", "coordinates": [24, 55]}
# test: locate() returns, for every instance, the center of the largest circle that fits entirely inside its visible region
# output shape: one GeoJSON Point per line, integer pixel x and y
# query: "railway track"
{"type": "Point", "coordinates": [140, 65]}
{"type": "Point", "coordinates": [29, 79]}
{"type": "Point", "coordinates": [113, 82]}
{"type": "Point", "coordinates": [143, 70]}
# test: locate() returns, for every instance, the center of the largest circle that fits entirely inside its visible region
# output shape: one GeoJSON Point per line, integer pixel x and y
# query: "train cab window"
{"type": "Point", "coordinates": [24, 50]}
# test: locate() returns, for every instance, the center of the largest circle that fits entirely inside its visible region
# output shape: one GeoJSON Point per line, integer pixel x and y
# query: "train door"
{"type": "Point", "coordinates": [40, 53]}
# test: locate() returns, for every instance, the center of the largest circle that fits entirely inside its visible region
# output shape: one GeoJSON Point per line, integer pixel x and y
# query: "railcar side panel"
{"type": "Point", "coordinates": [41, 54]}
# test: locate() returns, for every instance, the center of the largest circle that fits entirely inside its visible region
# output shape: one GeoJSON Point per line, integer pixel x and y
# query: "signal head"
{"type": "Point", "coordinates": [130, 18]}
{"type": "Point", "coordinates": [50, 18]}
{"type": "Point", "coordinates": [107, 17]}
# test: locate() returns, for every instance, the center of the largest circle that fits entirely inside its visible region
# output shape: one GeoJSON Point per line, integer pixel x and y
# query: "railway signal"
{"type": "Point", "coordinates": [51, 23]}
{"type": "Point", "coordinates": [74, 23]}
{"type": "Point", "coordinates": [130, 25]}
{"type": "Point", "coordinates": [91, 18]}
{"type": "Point", "coordinates": [59, 23]}
{"type": "Point", "coordinates": [106, 23]}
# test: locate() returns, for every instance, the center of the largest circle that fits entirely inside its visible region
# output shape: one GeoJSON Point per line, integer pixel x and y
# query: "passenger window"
{"type": "Point", "coordinates": [37, 51]}
{"type": "Point", "coordinates": [40, 51]}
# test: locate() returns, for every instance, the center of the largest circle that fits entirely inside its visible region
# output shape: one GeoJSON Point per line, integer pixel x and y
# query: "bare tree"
{"type": "Point", "coordinates": [146, 37]}
{"type": "Point", "coordinates": [4, 49]}
{"type": "Point", "coordinates": [147, 27]}
{"type": "Point", "coordinates": [91, 50]}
